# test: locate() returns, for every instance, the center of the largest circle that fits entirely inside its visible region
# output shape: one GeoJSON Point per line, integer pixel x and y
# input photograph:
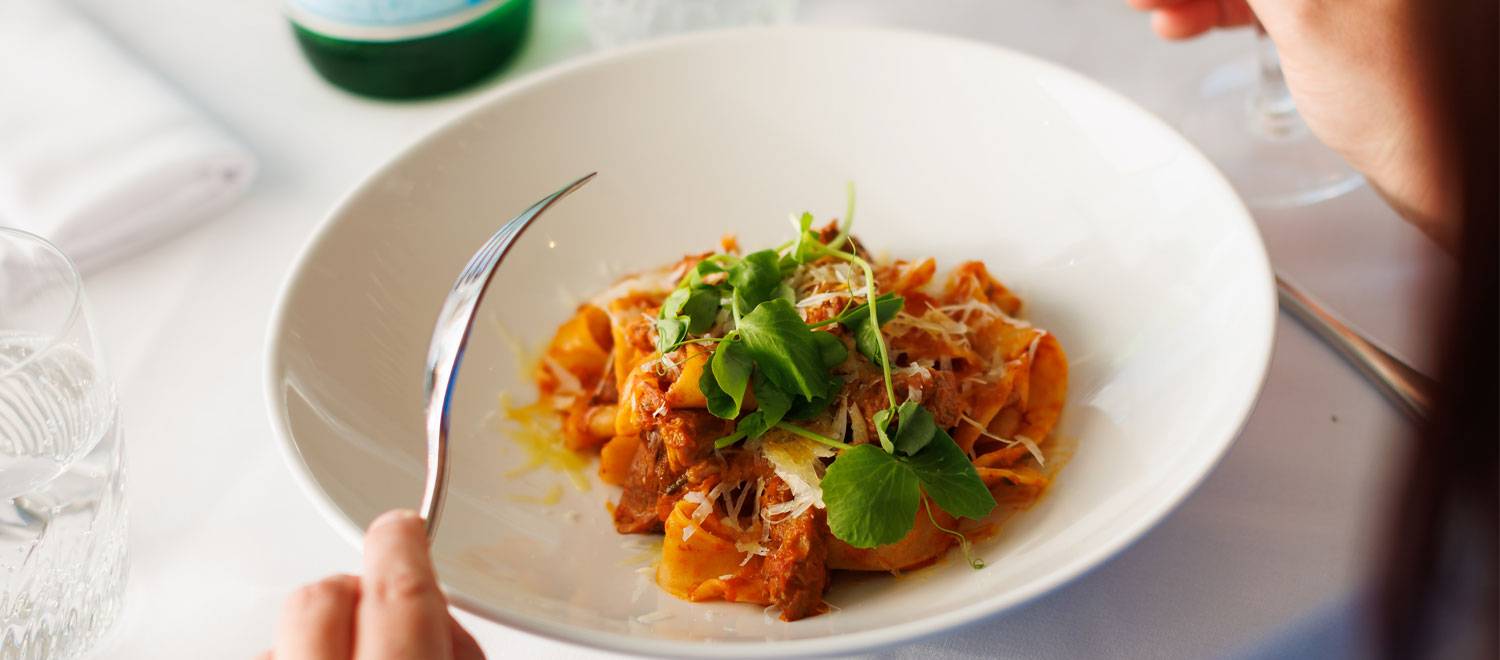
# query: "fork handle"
{"type": "Point", "coordinates": [1411, 390]}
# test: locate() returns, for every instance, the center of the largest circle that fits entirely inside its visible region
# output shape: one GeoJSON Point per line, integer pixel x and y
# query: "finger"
{"type": "Point", "coordinates": [317, 621]}
{"type": "Point", "coordinates": [402, 614]}
{"type": "Point", "coordinates": [1148, 5]}
{"type": "Point", "coordinates": [464, 645]}
{"type": "Point", "coordinates": [1194, 17]}
{"type": "Point", "coordinates": [265, 655]}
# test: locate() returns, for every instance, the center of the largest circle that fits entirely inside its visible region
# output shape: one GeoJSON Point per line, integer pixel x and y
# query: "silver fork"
{"type": "Point", "coordinates": [451, 336]}
{"type": "Point", "coordinates": [1409, 389]}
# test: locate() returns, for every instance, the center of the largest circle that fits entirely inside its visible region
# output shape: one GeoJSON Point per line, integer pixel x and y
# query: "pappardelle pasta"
{"type": "Point", "coordinates": [790, 412]}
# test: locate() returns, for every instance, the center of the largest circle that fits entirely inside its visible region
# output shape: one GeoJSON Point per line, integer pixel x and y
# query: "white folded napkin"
{"type": "Point", "coordinates": [96, 153]}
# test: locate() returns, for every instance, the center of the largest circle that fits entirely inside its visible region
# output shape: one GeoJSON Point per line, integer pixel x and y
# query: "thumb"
{"type": "Point", "coordinates": [402, 613]}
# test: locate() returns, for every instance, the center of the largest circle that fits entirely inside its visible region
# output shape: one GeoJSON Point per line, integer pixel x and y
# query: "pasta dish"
{"type": "Point", "coordinates": [782, 414]}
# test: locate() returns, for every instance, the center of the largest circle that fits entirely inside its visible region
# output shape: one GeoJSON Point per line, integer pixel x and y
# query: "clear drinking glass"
{"type": "Point", "coordinates": [1244, 120]}
{"type": "Point", "coordinates": [62, 521]}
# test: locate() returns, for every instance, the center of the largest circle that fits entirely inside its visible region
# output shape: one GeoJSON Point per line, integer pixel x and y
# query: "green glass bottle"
{"type": "Point", "coordinates": [408, 48]}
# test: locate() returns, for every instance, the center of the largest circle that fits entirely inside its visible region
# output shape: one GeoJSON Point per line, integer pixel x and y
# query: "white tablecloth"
{"type": "Point", "coordinates": [1270, 556]}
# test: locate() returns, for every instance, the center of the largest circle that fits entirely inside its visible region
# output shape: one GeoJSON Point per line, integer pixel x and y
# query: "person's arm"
{"type": "Point", "coordinates": [1360, 75]}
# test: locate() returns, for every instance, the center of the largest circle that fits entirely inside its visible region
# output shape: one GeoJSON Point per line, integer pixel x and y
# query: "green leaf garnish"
{"type": "Point", "coordinates": [720, 404]}
{"type": "Point", "coordinates": [811, 435]}
{"type": "Point", "coordinates": [950, 479]}
{"type": "Point", "coordinates": [730, 439]}
{"type": "Point", "coordinates": [914, 428]}
{"type": "Point", "coordinates": [964, 546]}
{"type": "Point", "coordinates": [669, 333]}
{"type": "Point", "coordinates": [705, 268]}
{"type": "Point", "coordinates": [787, 293]}
{"type": "Point", "coordinates": [771, 404]}
{"type": "Point", "coordinates": [867, 340]}
{"type": "Point", "coordinates": [810, 408]}
{"type": "Point", "coordinates": [830, 349]}
{"type": "Point", "coordinates": [886, 307]}
{"type": "Point", "coordinates": [755, 279]}
{"type": "Point", "coordinates": [731, 367]}
{"type": "Point", "coordinates": [697, 304]}
{"type": "Point", "coordinates": [867, 337]}
{"type": "Point", "coordinates": [848, 224]}
{"type": "Point", "coordinates": [871, 497]}
{"type": "Point", "coordinates": [882, 421]}
{"type": "Point", "coordinates": [783, 346]}
{"type": "Point", "coordinates": [807, 247]}
{"type": "Point", "coordinates": [869, 503]}
{"type": "Point", "coordinates": [701, 308]}
{"type": "Point", "coordinates": [672, 306]}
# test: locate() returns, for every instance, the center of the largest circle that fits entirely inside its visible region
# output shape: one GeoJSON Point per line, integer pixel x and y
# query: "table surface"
{"type": "Point", "coordinates": [1270, 557]}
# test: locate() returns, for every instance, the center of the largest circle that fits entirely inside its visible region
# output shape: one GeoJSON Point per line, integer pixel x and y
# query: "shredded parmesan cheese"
{"type": "Point", "coordinates": [751, 549]}
{"type": "Point", "coordinates": [736, 509]}
{"type": "Point", "coordinates": [769, 611]}
{"type": "Point", "coordinates": [566, 381]}
{"type": "Point", "coordinates": [983, 431]}
{"type": "Point", "coordinates": [1036, 452]}
{"type": "Point", "coordinates": [1031, 446]}
{"type": "Point", "coordinates": [1031, 350]}
{"type": "Point", "coordinates": [838, 277]}
{"type": "Point", "coordinates": [914, 370]}
{"type": "Point", "coordinates": [705, 507]}
{"type": "Point", "coordinates": [653, 617]}
{"type": "Point", "coordinates": [931, 322]}
{"type": "Point", "coordinates": [664, 365]}
{"type": "Point", "coordinates": [964, 309]}
{"type": "Point", "coordinates": [838, 424]}
{"type": "Point", "coordinates": [795, 461]}
{"type": "Point", "coordinates": [914, 393]}
{"type": "Point", "coordinates": [858, 432]}
{"type": "Point", "coordinates": [819, 298]}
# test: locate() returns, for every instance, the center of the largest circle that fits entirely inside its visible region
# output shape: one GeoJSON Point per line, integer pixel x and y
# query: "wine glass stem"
{"type": "Point", "coordinates": [1271, 105]}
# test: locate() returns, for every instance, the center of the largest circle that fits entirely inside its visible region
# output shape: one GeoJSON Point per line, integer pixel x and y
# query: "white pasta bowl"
{"type": "Point", "coordinates": [1122, 240]}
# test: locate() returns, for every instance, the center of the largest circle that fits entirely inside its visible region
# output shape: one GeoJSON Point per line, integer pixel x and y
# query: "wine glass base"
{"type": "Point", "coordinates": [1271, 158]}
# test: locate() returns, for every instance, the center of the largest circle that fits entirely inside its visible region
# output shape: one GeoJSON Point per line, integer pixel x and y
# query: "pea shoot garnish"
{"type": "Point", "coordinates": [767, 351]}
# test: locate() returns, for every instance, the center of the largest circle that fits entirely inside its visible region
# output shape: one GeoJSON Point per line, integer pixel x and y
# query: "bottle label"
{"type": "Point", "coordinates": [385, 20]}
